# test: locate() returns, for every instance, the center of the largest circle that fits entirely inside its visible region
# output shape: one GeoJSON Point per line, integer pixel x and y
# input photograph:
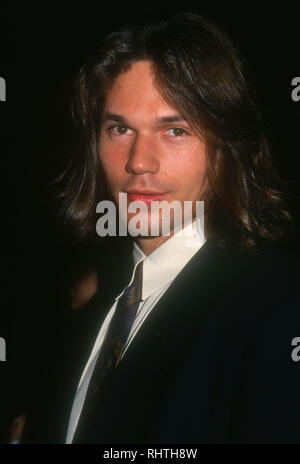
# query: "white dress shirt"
{"type": "Point", "coordinates": [159, 270]}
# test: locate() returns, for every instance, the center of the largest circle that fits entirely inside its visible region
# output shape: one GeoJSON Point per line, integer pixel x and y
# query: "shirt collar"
{"type": "Point", "coordinates": [166, 261]}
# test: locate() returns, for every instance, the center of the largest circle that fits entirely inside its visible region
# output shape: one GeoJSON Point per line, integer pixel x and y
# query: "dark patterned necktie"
{"type": "Point", "coordinates": [110, 354]}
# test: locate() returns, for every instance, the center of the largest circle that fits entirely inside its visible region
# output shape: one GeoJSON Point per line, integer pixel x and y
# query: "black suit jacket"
{"type": "Point", "coordinates": [212, 363]}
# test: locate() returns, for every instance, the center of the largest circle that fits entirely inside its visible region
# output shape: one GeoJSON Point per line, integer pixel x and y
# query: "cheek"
{"type": "Point", "coordinates": [188, 167]}
{"type": "Point", "coordinates": [112, 164]}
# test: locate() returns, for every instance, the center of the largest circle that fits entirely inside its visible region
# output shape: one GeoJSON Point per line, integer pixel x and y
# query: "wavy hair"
{"type": "Point", "coordinates": [200, 71]}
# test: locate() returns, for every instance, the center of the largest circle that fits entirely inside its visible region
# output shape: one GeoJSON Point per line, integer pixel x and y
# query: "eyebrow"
{"type": "Point", "coordinates": [163, 120]}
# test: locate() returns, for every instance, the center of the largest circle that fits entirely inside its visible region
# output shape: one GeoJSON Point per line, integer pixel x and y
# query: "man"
{"type": "Point", "coordinates": [167, 113]}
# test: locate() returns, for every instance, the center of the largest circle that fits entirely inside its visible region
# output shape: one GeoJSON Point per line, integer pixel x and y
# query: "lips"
{"type": "Point", "coordinates": [146, 196]}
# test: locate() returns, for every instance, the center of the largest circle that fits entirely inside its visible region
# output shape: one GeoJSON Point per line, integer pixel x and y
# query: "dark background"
{"type": "Point", "coordinates": [40, 55]}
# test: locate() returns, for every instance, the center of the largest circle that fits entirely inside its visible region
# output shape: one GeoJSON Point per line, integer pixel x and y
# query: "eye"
{"type": "Point", "coordinates": [177, 131]}
{"type": "Point", "coordinates": [118, 130]}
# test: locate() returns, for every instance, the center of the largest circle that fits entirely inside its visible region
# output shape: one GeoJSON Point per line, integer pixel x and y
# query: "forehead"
{"type": "Point", "coordinates": [136, 93]}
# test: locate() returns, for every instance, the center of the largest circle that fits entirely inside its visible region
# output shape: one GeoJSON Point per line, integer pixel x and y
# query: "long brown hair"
{"type": "Point", "coordinates": [201, 72]}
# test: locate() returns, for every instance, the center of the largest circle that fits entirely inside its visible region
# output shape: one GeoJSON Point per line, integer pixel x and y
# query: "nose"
{"type": "Point", "coordinates": [143, 156]}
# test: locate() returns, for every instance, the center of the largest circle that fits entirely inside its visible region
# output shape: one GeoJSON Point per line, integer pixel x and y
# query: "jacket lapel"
{"type": "Point", "coordinates": [181, 310]}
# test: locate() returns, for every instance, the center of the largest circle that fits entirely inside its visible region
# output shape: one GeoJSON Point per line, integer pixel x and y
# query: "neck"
{"type": "Point", "coordinates": [149, 244]}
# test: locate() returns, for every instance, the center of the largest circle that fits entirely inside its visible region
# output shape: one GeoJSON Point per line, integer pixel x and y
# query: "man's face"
{"type": "Point", "coordinates": [146, 148]}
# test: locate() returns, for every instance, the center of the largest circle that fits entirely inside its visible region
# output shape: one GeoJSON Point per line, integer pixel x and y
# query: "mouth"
{"type": "Point", "coordinates": [146, 196]}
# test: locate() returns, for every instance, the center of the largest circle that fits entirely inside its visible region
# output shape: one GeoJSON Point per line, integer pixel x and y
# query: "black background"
{"type": "Point", "coordinates": [41, 52]}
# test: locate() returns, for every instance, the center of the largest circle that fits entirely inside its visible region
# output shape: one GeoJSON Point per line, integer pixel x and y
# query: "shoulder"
{"type": "Point", "coordinates": [268, 271]}
{"type": "Point", "coordinates": [253, 292]}
{"type": "Point", "coordinates": [267, 304]}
